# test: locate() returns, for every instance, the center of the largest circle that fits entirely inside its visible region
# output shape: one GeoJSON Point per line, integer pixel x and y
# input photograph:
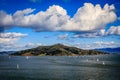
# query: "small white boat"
{"type": "Point", "coordinates": [97, 59]}
{"type": "Point", "coordinates": [27, 57]}
{"type": "Point", "coordinates": [103, 63]}
{"type": "Point", "coordinates": [18, 66]}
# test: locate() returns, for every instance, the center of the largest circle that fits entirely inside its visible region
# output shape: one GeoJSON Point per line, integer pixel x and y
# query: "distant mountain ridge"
{"type": "Point", "coordinates": [110, 50]}
{"type": "Point", "coordinates": [7, 52]}
{"type": "Point", "coordinates": [57, 50]}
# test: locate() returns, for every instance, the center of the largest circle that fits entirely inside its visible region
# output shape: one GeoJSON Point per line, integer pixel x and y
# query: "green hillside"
{"type": "Point", "coordinates": [56, 50]}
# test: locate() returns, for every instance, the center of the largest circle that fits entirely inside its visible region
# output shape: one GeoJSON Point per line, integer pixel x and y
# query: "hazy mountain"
{"type": "Point", "coordinates": [6, 52]}
{"type": "Point", "coordinates": [110, 50]}
{"type": "Point", "coordinates": [56, 50]}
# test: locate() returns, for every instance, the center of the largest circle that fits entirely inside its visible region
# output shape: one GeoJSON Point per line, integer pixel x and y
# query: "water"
{"type": "Point", "coordinates": [60, 67]}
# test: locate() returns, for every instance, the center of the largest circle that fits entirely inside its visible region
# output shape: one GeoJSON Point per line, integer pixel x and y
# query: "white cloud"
{"type": "Point", "coordinates": [90, 17]}
{"type": "Point", "coordinates": [98, 33]}
{"type": "Point", "coordinates": [114, 30]}
{"type": "Point", "coordinates": [15, 47]}
{"type": "Point", "coordinates": [7, 40]}
{"type": "Point", "coordinates": [5, 19]}
{"type": "Point", "coordinates": [55, 18]}
{"type": "Point", "coordinates": [97, 45]}
{"type": "Point", "coordinates": [23, 12]}
{"type": "Point", "coordinates": [23, 18]}
{"type": "Point", "coordinates": [32, 45]}
{"type": "Point", "coordinates": [65, 36]}
{"type": "Point", "coordinates": [12, 35]}
{"type": "Point", "coordinates": [4, 41]}
{"type": "Point", "coordinates": [76, 36]}
{"type": "Point", "coordinates": [101, 44]}
{"type": "Point", "coordinates": [48, 20]}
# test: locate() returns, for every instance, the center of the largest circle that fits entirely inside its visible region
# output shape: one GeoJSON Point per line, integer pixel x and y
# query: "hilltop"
{"type": "Point", "coordinates": [56, 50]}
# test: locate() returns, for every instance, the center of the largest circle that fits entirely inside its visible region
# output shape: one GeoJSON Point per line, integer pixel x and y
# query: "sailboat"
{"type": "Point", "coordinates": [97, 59]}
{"type": "Point", "coordinates": [27, 57]}
{"type": "Point", "coordinates": [18, 66]}
{"type": "Point", "coordinates": [103, 63]}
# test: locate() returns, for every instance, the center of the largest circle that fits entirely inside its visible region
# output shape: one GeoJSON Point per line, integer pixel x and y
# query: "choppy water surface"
{"type": "Point", "coordinates": [97, 67]}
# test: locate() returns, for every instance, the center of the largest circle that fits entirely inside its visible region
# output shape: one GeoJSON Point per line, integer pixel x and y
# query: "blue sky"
{"type": "Point", "coordinates": [86, 24]}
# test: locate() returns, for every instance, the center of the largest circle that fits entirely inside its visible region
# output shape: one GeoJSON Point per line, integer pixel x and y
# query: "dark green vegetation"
{"type": "Point", "coordinates": [56, 50]}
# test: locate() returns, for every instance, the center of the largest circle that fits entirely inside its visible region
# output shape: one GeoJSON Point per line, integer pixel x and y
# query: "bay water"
{"type": "Point", "coordinates": [91, 67]}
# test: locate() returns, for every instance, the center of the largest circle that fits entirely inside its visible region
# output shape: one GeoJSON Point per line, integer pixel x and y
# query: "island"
{"type": "Point", "coordinates": [56, 50]}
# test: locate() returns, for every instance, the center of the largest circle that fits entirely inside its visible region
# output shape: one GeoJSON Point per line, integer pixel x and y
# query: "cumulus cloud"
{"type": "Point", "coordinates": [90, 17]}
{"type": "Point", "coordinates": [55, 18]}
{"type": "Point", "coordinates": [6, 20]}
{"type": "Point", "coordinates": [114, 30]}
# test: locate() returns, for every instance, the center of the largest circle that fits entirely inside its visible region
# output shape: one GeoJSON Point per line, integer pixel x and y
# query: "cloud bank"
{"type": "Point", "coordinates": [88, 18]}
{"type": "Point", "coordinates": [98, 45]}
{"type": "Point", "coordinates": [113, 30]}
{"type": "Point", "coordinates": [17, 47]}
{"type": "Point", "coordinates": [7, 40]}
{"type": "Point", "coordinates": [12, 35]}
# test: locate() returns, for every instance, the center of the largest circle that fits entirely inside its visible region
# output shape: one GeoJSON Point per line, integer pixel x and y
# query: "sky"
{"type": "Point", "coordinates": [86, 24]}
